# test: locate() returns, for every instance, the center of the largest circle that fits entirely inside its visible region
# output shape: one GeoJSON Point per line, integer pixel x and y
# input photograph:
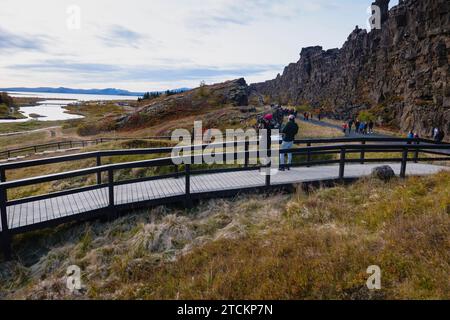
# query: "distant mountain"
{"type": "Point", "coordinates": [108, 91]}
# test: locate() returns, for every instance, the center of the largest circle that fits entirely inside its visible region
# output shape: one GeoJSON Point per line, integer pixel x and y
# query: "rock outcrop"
{"type": "Point", "coordinates": [194, 102]}
{"type": "Point", "coordinates": [400, 72]}
{"type": "Point", "coordinates": [384, 173]}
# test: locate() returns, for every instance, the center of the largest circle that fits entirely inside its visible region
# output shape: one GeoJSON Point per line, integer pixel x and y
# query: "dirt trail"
{"type": "Point", "coordinates": [56, 129]}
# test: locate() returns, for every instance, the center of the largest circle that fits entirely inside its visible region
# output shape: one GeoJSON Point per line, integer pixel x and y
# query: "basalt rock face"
{"type": "Point", "coordinates": [400, 72]}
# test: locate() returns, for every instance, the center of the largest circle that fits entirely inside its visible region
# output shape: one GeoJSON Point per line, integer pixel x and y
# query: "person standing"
{"type": "Point", "coordinates": [362, 126]}
{"type": "Point", "coordinates": [440, 136]}
{"type": "Point", "coordinates": [289, 132]}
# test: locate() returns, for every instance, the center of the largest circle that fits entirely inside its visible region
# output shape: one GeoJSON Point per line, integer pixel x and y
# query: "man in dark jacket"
{"type": "Point", "coordinates": [289, 132]}
{"type": "Point", "coordinates": [440, 136]}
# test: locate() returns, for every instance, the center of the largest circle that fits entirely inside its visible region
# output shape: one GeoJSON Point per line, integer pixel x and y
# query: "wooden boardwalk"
{"type": "Point", "coordinates": [36, 212]}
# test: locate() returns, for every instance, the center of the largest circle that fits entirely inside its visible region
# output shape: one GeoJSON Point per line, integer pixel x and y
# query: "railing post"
{"type": "Point", "coordinates": [111, 208]}
{"type": "Point", "coordinates": [308, 159]}
{"type": "Point", "coordinates": [342, 165]}
{"type": "Point", "coordinates": [99, 174]}
{"type": "Point", "coordinates": [188, 199]}
{"type": "Point", "coordinates": [247, 153]}
{"type": "Point", "coordinates": [404, 162]}
{"type": "Point", "coordinates": [177, 172]}
{"type": "Point", "coordinates": [268, 173]}
{"type": "Point", "coordinates": [6, 236]}
{"type": "Point", "coordinates": [363, 153]}
{"type": "Point", "coordinates": [269, 160]}
{"type": "Point", "coordinates": [416, 153]}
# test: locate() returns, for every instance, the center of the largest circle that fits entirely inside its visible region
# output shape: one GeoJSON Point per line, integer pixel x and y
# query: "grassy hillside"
{"type": "Point", "coordinates": [301, 246]}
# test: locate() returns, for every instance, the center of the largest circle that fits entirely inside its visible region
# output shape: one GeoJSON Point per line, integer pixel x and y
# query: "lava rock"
{"type": "Point", "coordinates": [384, 173]}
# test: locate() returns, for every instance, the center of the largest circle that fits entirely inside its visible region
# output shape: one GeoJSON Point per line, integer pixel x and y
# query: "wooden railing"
{"type": "Point", "coordinates": [338, 153]}
{"type": "Point", "coordinates": [66, 144]}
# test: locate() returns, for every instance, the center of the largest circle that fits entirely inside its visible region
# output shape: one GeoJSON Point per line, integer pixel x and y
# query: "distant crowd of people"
{"type": "Point", "coordinates": [275, 120]}
{"type": "Point", "coordinates": [361, 127]}
{"type": "Point", "coordinates": [437, 134]}
{"type": "Point", "coordinates": [279, 113]}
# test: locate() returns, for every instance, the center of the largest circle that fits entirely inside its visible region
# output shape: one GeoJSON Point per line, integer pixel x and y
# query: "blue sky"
{"type": "Point", "coordinates": [158, 44]}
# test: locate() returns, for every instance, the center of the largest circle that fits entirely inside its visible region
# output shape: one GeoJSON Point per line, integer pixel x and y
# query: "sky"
{"type": "Point", "coordinates": [146, 45]}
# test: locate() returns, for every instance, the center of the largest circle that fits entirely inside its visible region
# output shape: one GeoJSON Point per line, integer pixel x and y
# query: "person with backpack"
{"type": "Point", "coordinates": [289, 132]}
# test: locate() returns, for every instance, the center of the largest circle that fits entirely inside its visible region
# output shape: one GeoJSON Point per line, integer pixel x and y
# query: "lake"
{"type": "Point", "coordinates": [53, 110]}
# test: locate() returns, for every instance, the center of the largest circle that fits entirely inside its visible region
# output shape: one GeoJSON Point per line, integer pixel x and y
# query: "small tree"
{"type": "Point", "coordinates": [366, 116]}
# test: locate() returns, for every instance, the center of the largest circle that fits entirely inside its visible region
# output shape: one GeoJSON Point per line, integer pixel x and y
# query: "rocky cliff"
{"type": "Point", "coordinates": [400, 72]}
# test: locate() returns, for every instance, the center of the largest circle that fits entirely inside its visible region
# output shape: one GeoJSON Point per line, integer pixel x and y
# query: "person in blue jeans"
{"type": "Point", "coordinates": [289, 132]}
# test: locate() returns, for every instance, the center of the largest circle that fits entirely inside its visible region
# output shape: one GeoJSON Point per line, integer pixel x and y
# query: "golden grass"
{"type": "Point", "coordinates": [301, 246]}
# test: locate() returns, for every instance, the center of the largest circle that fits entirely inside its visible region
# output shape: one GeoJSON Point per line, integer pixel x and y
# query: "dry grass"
{"type": "Point", "coordinates": [81, 164]}
{"type": "Point", "coordinates": [303, 246]}
{"type": "Point", "coordinates": [381, 130]}
{"type": "Point", "coordinates": [309, 130]}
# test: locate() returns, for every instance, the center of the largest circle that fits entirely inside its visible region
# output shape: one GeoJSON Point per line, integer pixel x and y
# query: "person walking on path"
{"type": "Point", "coordinates": [371, 125]}
{"type": "Point", "coordinates": [289, 132]}
{"type": "Point", "coordinates": [362, 127]}
{"type": "Point", "coordinates": [410, 136]}
{"type": "Point", "coordinates": [357, 125]}
{"type": "Point", "coordinates": [417, 137]}
{"type": "Point", "coordinates": [345, 127]}
{"type": "Point", "coordinates": [350, 125]}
